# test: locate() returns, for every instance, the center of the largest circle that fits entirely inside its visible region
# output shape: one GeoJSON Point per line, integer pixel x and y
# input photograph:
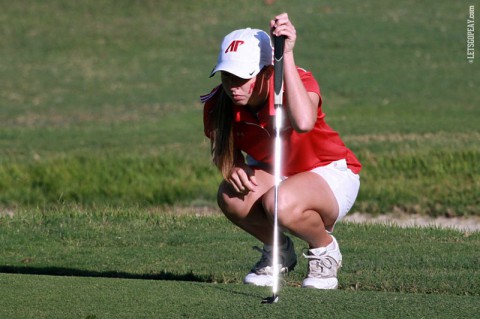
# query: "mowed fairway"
{"type": "Point", "coordinates": [130, 264]}
{"type": "Point", "coordinates": [61, 297]}
{"type": "Point", "coordinates": [107, 194]}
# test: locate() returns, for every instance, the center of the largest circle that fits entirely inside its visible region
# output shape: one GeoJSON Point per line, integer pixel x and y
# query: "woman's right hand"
{"type": "Point", "coordinates": [242, 179]}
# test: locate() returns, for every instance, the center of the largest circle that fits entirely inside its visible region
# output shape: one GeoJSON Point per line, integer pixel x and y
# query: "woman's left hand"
{"type": "Point", "coordinates": [282, 25]}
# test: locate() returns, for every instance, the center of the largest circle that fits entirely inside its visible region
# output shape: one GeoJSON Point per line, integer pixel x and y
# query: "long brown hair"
{"type": "Point", "coordinates": [222, 149]}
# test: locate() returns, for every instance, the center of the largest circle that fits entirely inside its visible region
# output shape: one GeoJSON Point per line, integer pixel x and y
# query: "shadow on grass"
{"type": "Point", "coordinates": [232, 291]}
{"type": "Point", "coordinates": [61, 271]}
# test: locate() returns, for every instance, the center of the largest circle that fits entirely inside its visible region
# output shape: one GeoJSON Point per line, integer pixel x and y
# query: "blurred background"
{"type": "Point", "coordinates": [99, 100]}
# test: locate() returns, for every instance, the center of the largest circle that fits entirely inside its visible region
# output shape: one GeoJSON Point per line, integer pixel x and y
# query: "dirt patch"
{"type": "Point", "coordinates": [6, 212]}
{"type": "Point", "coordinates": [413, 137]}
{"type": "Point", "coordinates": [469, 224]}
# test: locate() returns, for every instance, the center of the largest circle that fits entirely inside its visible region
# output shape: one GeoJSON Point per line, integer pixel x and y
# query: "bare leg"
{"type": "Point", "coordinates": [306, 207]}
{"type": "Point", "coordinates": [246, 210]}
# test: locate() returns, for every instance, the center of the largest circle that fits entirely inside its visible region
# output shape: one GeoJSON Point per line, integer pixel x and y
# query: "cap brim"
{"type": "Point", "coordinates": [235, 69]}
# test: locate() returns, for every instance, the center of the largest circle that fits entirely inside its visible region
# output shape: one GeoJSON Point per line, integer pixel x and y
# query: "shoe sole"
{"type": "Point", "coordinates": [325, 288]}
{"type": "Point", "coordinates": [289, 269]}
{"type": "Point", "coordinates": [321, 284]}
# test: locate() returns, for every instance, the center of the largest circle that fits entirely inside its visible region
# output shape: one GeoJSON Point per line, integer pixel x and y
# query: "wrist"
{"type": "Point", "coordinates": [288, 58]}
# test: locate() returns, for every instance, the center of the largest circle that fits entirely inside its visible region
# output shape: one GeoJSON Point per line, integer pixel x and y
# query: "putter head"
{"type": "Point", "coordinates": [270, 300]}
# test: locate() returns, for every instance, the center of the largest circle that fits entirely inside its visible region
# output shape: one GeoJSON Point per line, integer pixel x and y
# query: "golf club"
{"type": "Point", "coordinates": [279, 43]}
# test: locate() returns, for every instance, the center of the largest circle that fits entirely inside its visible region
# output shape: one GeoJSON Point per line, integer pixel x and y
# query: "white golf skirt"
{"type": "Point", "coordinates": [344, 184]}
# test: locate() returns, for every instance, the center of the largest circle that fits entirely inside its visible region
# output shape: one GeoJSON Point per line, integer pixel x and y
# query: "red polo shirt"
{"type": "Point", "coordinates": [254, 134]}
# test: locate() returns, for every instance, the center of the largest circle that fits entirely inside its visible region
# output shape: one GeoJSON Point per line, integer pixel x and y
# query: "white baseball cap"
{"type": "Point", "coordinates": [244, 53]}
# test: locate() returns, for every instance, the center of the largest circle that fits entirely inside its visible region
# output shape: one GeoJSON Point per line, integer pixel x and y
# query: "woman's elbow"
{"type": "Point", "coordinates": [304, 126]}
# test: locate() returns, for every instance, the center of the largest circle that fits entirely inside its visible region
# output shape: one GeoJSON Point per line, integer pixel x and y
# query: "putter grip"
{"type": "Point", "coordinates": [278, 46]}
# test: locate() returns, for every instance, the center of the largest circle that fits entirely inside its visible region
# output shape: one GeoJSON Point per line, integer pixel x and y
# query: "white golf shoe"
{"type": "Point", "coordinates": [323, 264]}
{"type": "Point", "coordinates": [262, 273]}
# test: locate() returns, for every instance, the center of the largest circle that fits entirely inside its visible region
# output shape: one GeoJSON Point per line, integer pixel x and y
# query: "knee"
{"type": "Point", "coordinates": [228, 202]}
{"type": "Point", "coordinates": [224, 200]}
{"type": "Point", "coordinates": [288, 212]}
{"type": "Point", "coordinates": [268, 203]}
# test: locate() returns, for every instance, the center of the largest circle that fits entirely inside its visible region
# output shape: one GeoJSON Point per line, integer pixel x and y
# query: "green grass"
{"type": "Point", "coordinates": [166, 180]}
{"type": "Point", "coordinates": [156, 244]}
{"type": "Point", "coordinates": [101, 139]}
{"type": "Point", "coordinates": [132, 263]}
{"type": "Point", "coordinates": [67, 297]}
{"type": "Point", "coordinates": [97, 95]}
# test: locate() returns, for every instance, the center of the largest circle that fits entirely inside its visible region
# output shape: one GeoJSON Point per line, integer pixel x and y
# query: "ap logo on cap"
{"type": "Point", "coordinates": [234, 46]}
